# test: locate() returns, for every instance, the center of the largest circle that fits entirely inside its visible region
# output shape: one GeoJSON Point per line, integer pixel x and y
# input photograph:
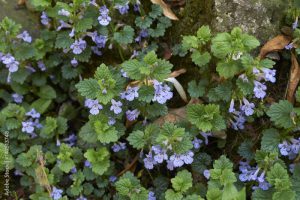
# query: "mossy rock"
{"type": "Point", "coordinates": [29, 20]}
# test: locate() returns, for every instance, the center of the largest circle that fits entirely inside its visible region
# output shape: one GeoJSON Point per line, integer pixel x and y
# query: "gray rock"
{"type": "Point", "coordinates": [258, 17]}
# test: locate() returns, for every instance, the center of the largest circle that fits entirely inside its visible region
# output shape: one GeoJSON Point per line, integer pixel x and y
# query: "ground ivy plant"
{"type": "Point", "coordinates": [90, 109]}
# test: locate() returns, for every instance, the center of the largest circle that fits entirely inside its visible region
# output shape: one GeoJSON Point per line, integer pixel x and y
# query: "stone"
{"type": "Point", "coordinates": [260, 18]}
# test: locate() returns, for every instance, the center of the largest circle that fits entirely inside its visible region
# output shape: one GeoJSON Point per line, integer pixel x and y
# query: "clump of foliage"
{"type": "Point", "coordinates": [85, 106]}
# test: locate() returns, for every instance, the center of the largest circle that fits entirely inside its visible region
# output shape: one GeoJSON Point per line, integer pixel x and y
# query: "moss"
{"type": "Point", "coordinates": [194, 14]}
{"type": "Point", "coordinates": [29, 20]}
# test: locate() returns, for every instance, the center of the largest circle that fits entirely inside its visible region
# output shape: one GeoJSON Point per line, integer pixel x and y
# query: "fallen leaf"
{"type": "Point", "coordinates": [173, 116]}
{"type": "Point", "coordinates": [166, 9]}
{"type": "Point", "coordinates": [294, 79]}
{"type": "Point", "coordinates": [275, 44]}
{"type": "Point", "coordinates": [179, 88]}
{"type": "Point", "coordinates": [176, 73]}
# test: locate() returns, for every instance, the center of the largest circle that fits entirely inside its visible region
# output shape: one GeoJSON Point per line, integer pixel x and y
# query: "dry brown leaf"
{"type": "Point", "coordinates": [275, 44]}
{"type": "Point", "coordinates": [166, 9]}
{"type": "Point", "coordinates": [173, 116]}
{"type": "Point", "coordinates": [294, 78]}
{"type": "Point", "coordinates": [176, 73]}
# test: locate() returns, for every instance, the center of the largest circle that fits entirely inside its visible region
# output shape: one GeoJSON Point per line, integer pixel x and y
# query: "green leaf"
{"type": "Point", "coordinates": [270, 140]}
{"type": "Point", "coordinates": [84, 24]}
{"type": "Point", "coordinates": [88, 88]}
{"type": "Point", "coordinates": [137, 139]}
{"type": "Point", "coordinates": [62, 125]}
{"type": "Point", "coordinates": [245, 150]}
{"type": "Point", "coordinates": [260, 194]}
{"type": "Point", "coordinates": [143, 22]}
{"type": "Point", "coordinates": [221, 93]}
{"type": "Point", "coordinates": [49, 128]}
{"type": "Point", "coordinates": [105, 133]}
{"type": "Point", "coordinates": [296, 181]}
{"type": "Point", "coordinates": [156, 11]}
{"type": "Point", "coordinates": [221, 45]}
{"type": "Point", "coordinates": [47, 92]}
{"type": "Point", "coordinates": [63, 40]}
{"type": "Point", "coordinates": [228, 69]}
{"type": "Point", "coordinates": [196, 90]}
{"type": "Point", "coordinates": [146, 93]}
{"type": "Point", "coordinates": [41, 105]}
{"type": "Point", "coordinates": [206, 117]}
{"type": "Point", "coordinates": [204, 34]}
{"type": "Point", "coordinates": [171, 195]}
{"type": "Point", "coordinates": [189, 42]}
{"type": "Point", "coordinates": [281, 114]}
{"type": "Point", "coordinates": [182, 181]}
{"type": "Point", "coordinates": [99, 160]}
{"type": "Point", "coordinates": [24, 52]}
{"type": "Point", "coordinates": [279, 178]}
{"type": "Point", "coordinates": [214, 194]}
{"type": "Point", "coordinates": [132, 68]}
{"type": "Point", "coordinates": [200, 59]}
{"type": "Point", "coordinates": [40, 4]}
{"type": "Point", "coordinates": [125, 36]}
{"type": "Point", "coordinates": [87, 133]}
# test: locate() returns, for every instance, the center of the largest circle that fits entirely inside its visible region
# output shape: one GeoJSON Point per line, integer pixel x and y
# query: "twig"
{"type": "Point", "coordinates": [128, 167]}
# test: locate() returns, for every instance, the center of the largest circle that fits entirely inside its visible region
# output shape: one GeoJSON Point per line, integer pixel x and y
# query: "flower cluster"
{"type": "Point", "coordinates": [30, 124]}
{"type": "Point", "coordinates": [93, 105]}
{"type": "Point", "coordinates": [249, 173]}
{"type": "Point", "coordinates": [118, 146]}
{"type": "Point", "coordinates": [290, 148]}
{"type": "Point", "coordinates": [162, 92]}
{"type": "Point", "coordinates": [104, 18]}
{"type": "Point", "coordinates": [157, 155]}
{"type": "Point", "coordinates": [10, 62]}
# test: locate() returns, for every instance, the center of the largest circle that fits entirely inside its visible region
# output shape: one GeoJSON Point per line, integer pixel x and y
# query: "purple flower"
{"type": "Point", "coordinates": [123, 9]}
{"type": "Point", "coordinates": [289, 46]}
{"type": "Point", "coordinates": [239, 121]}
{"type": "Point", "coordinates": [56, 193]}
{"type": "Point", "coordinates": [247, 108]}
{"type": "Point", "coordinates": [264, 185]}
{"type": "Point", "coordinates": [243, 77]}
{"type": "Point", "coordinates": [295, 24]}
{"type": "Point", "coordinates": [25, 37]}
{"type": "Point", "coordinates": [112, 179]}
{"type": "Point", "coordinates": [96, 50]}
{"type": "Point", "coordinates": [94, 106]}
{"type": "Point", "coordinates": [231, 107]}
{"type": "Point", "coordinates": [28, 127]}
{"type": "Point", "coordinates": [149, 161]}
{"type": "Point", "coordinates": [143, 34]}
{"type": "Point", "coordinates": [206, 174]}
{"type": "Point", "coordinates": [261, 178]}
{"type": "Point", "coordinates": [116, 106]}
{"type": "Point", "coordinates": [269, 75]}
{"type": "Point", "coordinates": [41, 65]}
{"type": "Point", "coordinates": [188, 157]}
{"type": "Point", "coordinates": [205, 135]}
{"type": "Point", "coordinates": [18, 173]}
{"type": "Point", "coordinates": [295, 146]}
{"type": "Point", "coordinates": [17, 98]}
{"type": "Point", "coordinates": [170, 165]}
{"type": "Point", "coordinates": [72, 33]}
{"type": "Point", "coordinates": [64, 12]}
{"type": "Point", "coordinates": [177, 160]}
{"type": "Point", "coordinates": [284, 148]}
{"type": "Point", "coordinates": [10, 62]}
{"type": "Point", "coordinates": [118, 147]}
{"type": "Point", "coordinates": [70, 140]}
{"type": "Point", "coordinates": [151, 196]}
{"type": "Point", "coordinates": [74, 62]}
{"type": "Point", "coordinates": [130, 94]}
{"type": "Point", "coordinates": [87, 164]}
{"type": "Point", "coordinates": [111, 121]}
{"type": "Point", "coordinates": [132, 114]}
{"type": "Point", "coordinates": [73, 170]}
{"type": "Point", "coordinates": [162, 92]}
{"type": "Point", "coordinates": [160, 154]}
{"type": "Point", "coordinates": [259, 90]}
{"type": "Point", "coordinates": [78, 46]}
{"type": "Point", "coordinates": [63, 25]}
{"type": "Point", "coordinates": [45, 19]}
{"type": "Point", "coordinates": [33, 113]}
{"type": "Point", "coordinates": [136, 6]}
{"type": "Point", "coordinates": [197, 143]}
{"type": "Point", "coordinates": [123, 73]}
{"type": "Point", "coordinates": [104, 19]}
{"type": "Point", "coordinates": [292, 167]}
{"type": "Point", "coordinates": [81, 198]}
